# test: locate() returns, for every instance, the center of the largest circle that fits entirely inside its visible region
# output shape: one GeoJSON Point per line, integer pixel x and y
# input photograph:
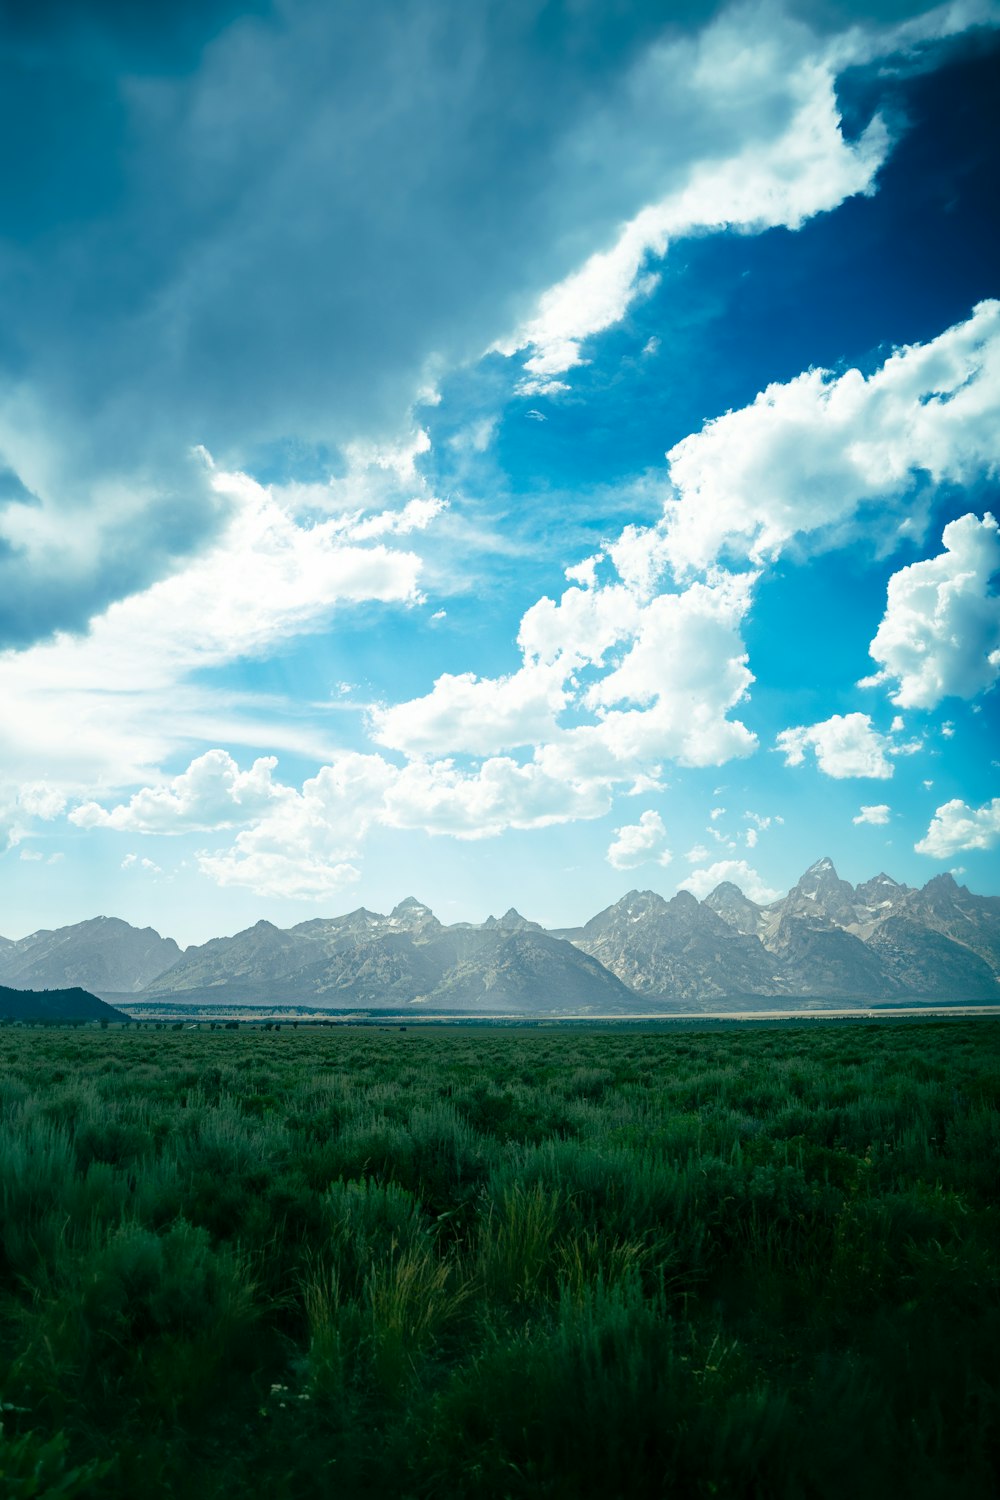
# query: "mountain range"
{"type": "Point", "coordinates": [826, 941]}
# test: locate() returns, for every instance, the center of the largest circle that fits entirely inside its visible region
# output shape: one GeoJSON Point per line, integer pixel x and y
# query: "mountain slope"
{"type": "Point", "coordinates": [677, 950]}
{"type": "Point", "coordinates": [521, 969]}
{"type": "Point", "coordinates": [104, 954]}
{"type": "Point", "coordinates": [924, 962]}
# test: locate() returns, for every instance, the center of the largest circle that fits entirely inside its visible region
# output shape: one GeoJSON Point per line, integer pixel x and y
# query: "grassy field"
{"type": "Point", "coordinates": [554, 1264]}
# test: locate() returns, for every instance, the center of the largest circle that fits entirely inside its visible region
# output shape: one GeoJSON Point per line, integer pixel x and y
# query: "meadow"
{"type": "Point", "coordinates": [500, 1263]}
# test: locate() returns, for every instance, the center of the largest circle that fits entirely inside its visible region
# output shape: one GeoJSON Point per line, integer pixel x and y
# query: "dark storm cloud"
{"type": "Point", "coordinates": [233, 229]}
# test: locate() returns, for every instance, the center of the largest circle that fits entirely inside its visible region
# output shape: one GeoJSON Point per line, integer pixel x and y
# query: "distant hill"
{"type": "Point", "coordinates": [825, 942]}
{"type": "Point", "coordinates": [55, 1005]}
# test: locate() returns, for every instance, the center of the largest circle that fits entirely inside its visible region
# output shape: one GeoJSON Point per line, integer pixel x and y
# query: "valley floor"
{"type": "Point", "coordinates": [754, 1261]}
{"type": "Point", "coordinates": [154, 1012]}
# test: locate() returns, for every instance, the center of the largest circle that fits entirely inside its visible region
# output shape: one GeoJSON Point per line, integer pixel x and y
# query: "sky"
{"type": "Point", "coordinates": [505, 454]}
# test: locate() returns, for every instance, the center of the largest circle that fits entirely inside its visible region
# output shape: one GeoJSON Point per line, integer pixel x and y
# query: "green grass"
{"type": "Point", "coordinates": [474, 1263]}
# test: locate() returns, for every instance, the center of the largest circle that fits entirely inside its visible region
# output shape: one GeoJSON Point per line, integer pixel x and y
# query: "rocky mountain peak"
{"type": "Point", "coordinates": [725, 891]}
{"type": "Point", "coordinates": [511, 921]}
{"type": "Point", "coordinates": [821, 893]}
{"type": "Point", "coordinates": [684, 901]}
{"type": "Point", "coordinates": [412, 916]}
{"type": "Point", "coordinates": [881, 892]}
{"type": "Point", "coordinates": [729, 902]}
{"type": "Point", "coordinates": [640, 903]}
{"type": "Point", "coordinates": [822, 873]}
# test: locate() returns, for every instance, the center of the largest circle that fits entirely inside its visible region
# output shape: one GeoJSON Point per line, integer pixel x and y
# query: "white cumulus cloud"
{"type": "Point", "coordinates": [805, 456]}
{"type": "Point", "coordinates": [303, 842]}
{"type": "Point", "coordinates": [845, 745]}
{"type": "Point", "coordinates": [475, 715]}
{"type": "Point", "coordinates": [877, 813]}
{"type": "Point", "coordinates": [499, 794]}
{"type": "Point", "coordinates": [212, 793]}
{"type": "Point", "coordinates": [940, 635]}
{"type": "Point", "coordinates": [956, 826]}
{"type": "Point", "coordinates": [638, 843]}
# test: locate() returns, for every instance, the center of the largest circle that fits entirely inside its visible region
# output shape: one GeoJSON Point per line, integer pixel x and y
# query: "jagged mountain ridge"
{"type": "Point", "coordinates": [365, 959]}
{"type": "Point", "coordinates": [826, 940]}
{"type": "Point", "coordinates": [103, 954]}
{"type": "Point", "coordinates": [680, 949]}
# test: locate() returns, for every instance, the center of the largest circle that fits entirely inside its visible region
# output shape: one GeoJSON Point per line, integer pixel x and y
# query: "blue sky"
{"type": "Point", "coordinates": [507, 454]}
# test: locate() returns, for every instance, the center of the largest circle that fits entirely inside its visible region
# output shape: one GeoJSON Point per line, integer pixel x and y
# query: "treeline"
{"type": "Point", "coordinates": [482, 1264]}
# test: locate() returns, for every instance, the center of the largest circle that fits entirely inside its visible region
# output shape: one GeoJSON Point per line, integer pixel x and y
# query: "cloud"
{"type": "Point", "coordinates": [22, 806]}
{"type": "Point", "coordinates": [304, 846]}
{"type": "Point", "coordinates": [590, 724]}
{"type": "Point", "coordinates": [543, 386]}
{"type": "Point", "coordinates": [227, 339]}
{"type": "Point", "coordinates": [268, 577]}
{"type": "Point", "coordinates": [638, 843]}
{"type": "Point", "coordinates": [499, 794]}
{"type": "Point", "coordinates": [303, 843]}
{"type": "Point", "coordinates": [282, 244]}
{"type": "Point", "coordinates": [415, 515]}
{"type": "Point", "coordinates": [956, 826]}
{"type": "Point", "coordinates": [212, 793]}
{"type": "Point", "coordinates": [295, 876]}
{"type": "Point", "coordinates": [670, 694]}
{"type": "Point", "coordinates": [584, 626]}
{"type": "Point", "coordinates": [940, 635]}
{"type": "Point", "coordinates": [254, 295]}
{"type": "Point", "coordinates": [845, 745]}
{"type": "Point", "coordinates": [681, 668]}
{"type": "Point", "coordinates": [37, 799]}
{"type": "Point", "coordinates": [787, 162]}
{"type": "Point", "coordinates": [878, 813]}
{"type": "Point", "coordinates": [478, 716]}
{"type": "Point", "coordinates": [701, 882]}
{"type": "Point", "coordinates": [758, 825]}
{"type": "Point", "coordinates": [686, 649]}
{"type": "Point", "coordinates": [258, 257]}
{"type": "Point", "coordinates": [805, 456]}
{"type": "Point", "coordinates": [87, 540]}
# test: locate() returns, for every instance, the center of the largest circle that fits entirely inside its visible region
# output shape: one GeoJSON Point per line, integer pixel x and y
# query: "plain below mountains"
{"type": "Point", "coordinates": [826, 942]}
